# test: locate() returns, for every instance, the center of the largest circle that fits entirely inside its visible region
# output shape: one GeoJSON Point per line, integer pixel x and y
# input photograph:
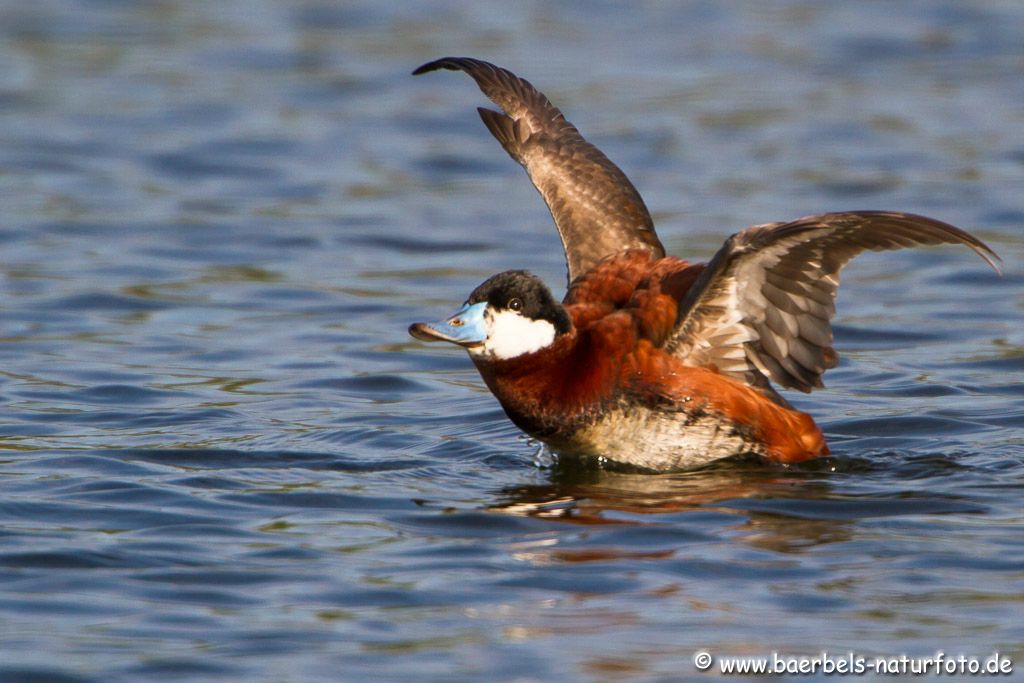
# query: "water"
{"type": "Point", "coordinates": [223, 459]}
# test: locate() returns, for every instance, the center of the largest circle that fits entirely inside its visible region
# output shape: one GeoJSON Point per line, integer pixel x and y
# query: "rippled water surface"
{"type": "Point", "coordinates": [222, 458]}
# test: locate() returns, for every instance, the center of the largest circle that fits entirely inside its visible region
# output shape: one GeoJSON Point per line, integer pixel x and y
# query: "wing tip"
{"type": "Point", "coordinates": [987, 253]}
{"type": "Point", "coordinates": [433, 66]}
{"type": "Point", "coordinates": [993, 259]}
{"type": "Point", "coordinates": [451, 64]}
{"type": "Point", "coordinates": [934, 231]}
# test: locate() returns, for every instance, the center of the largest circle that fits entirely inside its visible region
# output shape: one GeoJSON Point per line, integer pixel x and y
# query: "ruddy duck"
{"type": "Point", "coordinates": [649, 361]}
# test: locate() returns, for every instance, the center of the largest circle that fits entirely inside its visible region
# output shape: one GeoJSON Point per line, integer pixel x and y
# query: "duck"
{"type": "Point", "coordinates": [650, 362]}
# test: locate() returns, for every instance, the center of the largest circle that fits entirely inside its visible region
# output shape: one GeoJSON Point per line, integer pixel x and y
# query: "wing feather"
{"type": "Point", "coordinates": [778, 323]}
{"type": "Point", "coordinates": [595, 207]}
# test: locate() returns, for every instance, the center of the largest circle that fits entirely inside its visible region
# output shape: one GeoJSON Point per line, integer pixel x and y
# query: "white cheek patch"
{"type": "Point", "coordinates": [510, 334]}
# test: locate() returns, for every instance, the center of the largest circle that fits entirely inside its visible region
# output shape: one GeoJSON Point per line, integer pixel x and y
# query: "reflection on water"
{"type": "Point", "coordinates": [591, 496]}
{"type": "Point", "coordinates": [595, 491]}
{"type": "Point", "coordinates": [223, 458]}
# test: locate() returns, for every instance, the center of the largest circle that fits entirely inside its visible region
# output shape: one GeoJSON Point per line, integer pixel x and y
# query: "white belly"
{"type": "Point", "coordinates": [659, 440]}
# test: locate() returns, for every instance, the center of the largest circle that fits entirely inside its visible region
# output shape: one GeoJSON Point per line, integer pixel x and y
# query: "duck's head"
{"type": "Point", "coordinates": [509, 315]}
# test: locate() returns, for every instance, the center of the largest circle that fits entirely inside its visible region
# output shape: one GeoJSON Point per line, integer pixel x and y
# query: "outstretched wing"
{"type": "Point", "coordinates": [762, 308]}
{"type": "Point", "coordinates": [597, 210]}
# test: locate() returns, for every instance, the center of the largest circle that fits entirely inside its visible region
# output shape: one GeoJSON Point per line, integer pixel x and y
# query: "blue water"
{"type": "Point", "coordinates": [222, 458]}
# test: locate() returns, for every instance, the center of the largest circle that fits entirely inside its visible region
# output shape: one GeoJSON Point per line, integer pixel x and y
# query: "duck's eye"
{"type": "Point", "coordinates": [515, 304]}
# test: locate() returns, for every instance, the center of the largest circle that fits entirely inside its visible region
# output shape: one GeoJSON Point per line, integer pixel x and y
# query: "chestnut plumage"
{"type": "Point", "coordinates": [649, 361]}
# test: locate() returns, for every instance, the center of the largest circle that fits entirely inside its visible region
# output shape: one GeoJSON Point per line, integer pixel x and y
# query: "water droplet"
{"type": "Point", "coordinates": [544, 457]}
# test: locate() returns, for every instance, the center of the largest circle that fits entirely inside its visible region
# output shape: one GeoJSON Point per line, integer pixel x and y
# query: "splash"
{"type": "Point", "coordinates": [543, 458]}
